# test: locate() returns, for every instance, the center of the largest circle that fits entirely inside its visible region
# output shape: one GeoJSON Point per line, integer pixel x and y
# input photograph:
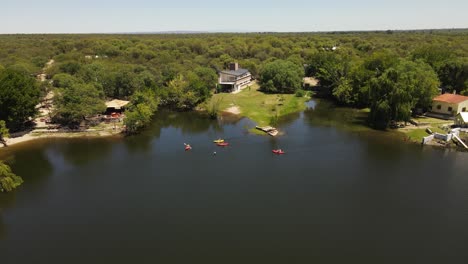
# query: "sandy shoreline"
{"type": "Point", "coordinates": [35, 135]}
{"type": "Point", "coordinates": [233, 110]}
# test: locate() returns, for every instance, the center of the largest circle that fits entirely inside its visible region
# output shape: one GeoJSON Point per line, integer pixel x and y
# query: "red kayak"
{"type": "Point", "coordinates": [278, 151]}
{"type": "Point", "coordinates": [222, 144]}
{"type": "Point", "coordinates": [187, 147]}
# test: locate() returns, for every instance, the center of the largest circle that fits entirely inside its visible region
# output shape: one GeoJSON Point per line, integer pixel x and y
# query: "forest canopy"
{"type": "Point", "coordinates": [180, 70]}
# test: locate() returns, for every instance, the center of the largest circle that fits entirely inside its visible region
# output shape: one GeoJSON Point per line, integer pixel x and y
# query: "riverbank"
{"type": "Point", "coordinates": [264, 109]}
{"type": "Point", "coordinates": [415, 133]}
{"type": "Point", "coordinates": [101, 130]}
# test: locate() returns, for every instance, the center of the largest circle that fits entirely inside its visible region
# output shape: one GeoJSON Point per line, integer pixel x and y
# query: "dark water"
{"type": "Point", "coordinates": [341, 194]}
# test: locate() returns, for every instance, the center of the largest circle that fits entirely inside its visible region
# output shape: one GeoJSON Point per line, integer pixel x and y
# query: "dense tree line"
{"type": "Point", "coordinates": [390, 86]}
{"type": "Point", "coordinates": [179, 71]}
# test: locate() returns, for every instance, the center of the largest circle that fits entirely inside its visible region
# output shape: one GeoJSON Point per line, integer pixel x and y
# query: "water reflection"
{"type": "Point", "coordinates": [33, 166]}
{"type": "Point", "coordinates": [7, 200]}
{"type": "Point", "coordinates": [185, 123]}
{"type": "Point", "coordinates": [188, 123]}
{"type": "Point", "coordinates": [83, 151]}
{"type": "Point", "coordinates": [333, 191]}
{"type": "Point", "coordinates": [326, 113]}
{"type": "Point", "coordinates": [2, 226]}
{"type": "Point", "coordinates": [288, 119]}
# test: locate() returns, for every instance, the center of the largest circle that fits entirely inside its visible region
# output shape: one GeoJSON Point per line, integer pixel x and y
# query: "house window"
{"type": "Point", "coordinates": [464, 109]}
{"type": "Point", "coordinates": [439, 107]}
{"type": "Point", "coordinates": [449, 109]}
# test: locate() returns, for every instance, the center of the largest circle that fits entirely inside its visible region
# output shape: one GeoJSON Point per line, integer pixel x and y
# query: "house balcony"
{"type": "Point", "coordinates": [227, 83]}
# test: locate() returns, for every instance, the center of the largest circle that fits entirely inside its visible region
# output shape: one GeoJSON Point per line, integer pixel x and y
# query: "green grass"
{"type": "Point", "coordinates": [434, 124]}
{"type": "Point", "coordinates": [432, 121]}
{"type": "Point", "coordinates": [260, 107]}
{"type": "Point", "coordinates": [416, 135]}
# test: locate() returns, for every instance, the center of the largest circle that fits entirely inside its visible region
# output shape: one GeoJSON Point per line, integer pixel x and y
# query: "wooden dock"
{"type": "Point", "coordinates": [269, 130]}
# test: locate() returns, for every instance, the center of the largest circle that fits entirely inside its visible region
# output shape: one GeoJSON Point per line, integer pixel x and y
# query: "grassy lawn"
{"type": "Point", "coordinates": [434, 124]}
{"type": "Point", "coordinates": [260, 107]}
{"type": "Point", "coordinates": [417, 134]}
{"type": "Point", "coordinates": [431, 121]}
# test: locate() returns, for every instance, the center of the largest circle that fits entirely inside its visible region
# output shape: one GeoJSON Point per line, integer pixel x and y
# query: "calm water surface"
{"type": "Point", "coordinates": [341, 194]}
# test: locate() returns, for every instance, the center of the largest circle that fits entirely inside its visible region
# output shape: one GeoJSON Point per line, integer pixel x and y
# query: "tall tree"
{"type": "Point", "coordinates": [329, 68]}
{"type": "Point", "coordinates": [63, 80]}
{"type": "Point", "coordinates": [19, 95]}
{"type": "Point", "coordinates": [281, 76]}
{"type": "Point", "coordinates": [453, 74]}
{"type": "Point", "coordinates": [183, 92]}
{"type": "Point", "coordinates": [143, 106]}
{"type": "Point", "coordinates": [399, 90]}
{"type": "Point", "coordinates": [354, 88]}
{"type": "Point", "coordinates": [75, 103]}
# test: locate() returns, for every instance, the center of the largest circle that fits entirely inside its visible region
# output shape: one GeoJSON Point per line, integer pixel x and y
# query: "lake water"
{"type": "Point", "coordinates": [341, 194]}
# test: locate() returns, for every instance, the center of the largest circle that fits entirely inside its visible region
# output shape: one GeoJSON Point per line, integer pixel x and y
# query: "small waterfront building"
{"type": "Point", "coordinates": [234, 79]}
{"type": "Point", "coordinates": [461, 119]}
{"type": "Point", "coordinates": [449, 104]}
{"type": "Point", "coordinates": [116, 106]}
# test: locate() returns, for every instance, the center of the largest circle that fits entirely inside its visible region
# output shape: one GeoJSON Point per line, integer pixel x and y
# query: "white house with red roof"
{"type": "Point", "coordinates": [449, 104]}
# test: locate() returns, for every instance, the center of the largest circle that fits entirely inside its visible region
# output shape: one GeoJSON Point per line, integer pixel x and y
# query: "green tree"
{"type": "Point", "coordinates": [344, 93]}
{"type": "Point", "coordinates": [281, 76]}
{"type": "Point", "coordinates": [329, 68]}
{"type": "Point", "coordinates": [453, 74]}
{"type": "Point", "coordinates": [75, 103]}
{"type": "Point", "coordinates": [70, 67]}
{"type": "Point", "coordinates": [434, 55]}
{"type": "Point", "coordinates": [399, 90]}
{"type": "Point", "coordinates": [4, 133]}
{"type": "Point", "coordinates": [64, 80]}
{"type": "Point", "coordinates": [19, 95]}
{"type": "Point", "coordinates": [137, 117]}
{"type": "Point", "coordinates": [143, 106]}
{"type": "Point", "coordinates": [355, 88]}
{"type": "Point", "coordinates": [451, 69]}
{"type": "Point", "coordinates": [8, 180]}
{"type": "Point", "coordinates": [182, 93]}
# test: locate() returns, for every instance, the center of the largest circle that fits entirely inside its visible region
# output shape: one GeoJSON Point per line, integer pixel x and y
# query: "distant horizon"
{"type": "Point", "coordinates": [229, 32]}
{"type": "Point", "coordinates": [114, 16]}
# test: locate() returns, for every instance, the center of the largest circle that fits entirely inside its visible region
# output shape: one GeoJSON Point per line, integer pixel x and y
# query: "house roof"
{"type": "Point", "coordinates": [451, 98]}
{"type": "Point", "coordinates": [464, 116]}
{"type": "Point", "coordinates": [239, 72]}
{"type": "Point", "coordinates": [117, 104]}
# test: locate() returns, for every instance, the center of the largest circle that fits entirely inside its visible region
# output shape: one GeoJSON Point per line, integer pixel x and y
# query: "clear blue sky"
{"type": "Point", "coordinates": [94, 16]}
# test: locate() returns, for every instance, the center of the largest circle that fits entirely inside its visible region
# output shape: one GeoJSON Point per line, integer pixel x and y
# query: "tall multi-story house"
{"type": "Point", "coordinates": [234, 79]}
